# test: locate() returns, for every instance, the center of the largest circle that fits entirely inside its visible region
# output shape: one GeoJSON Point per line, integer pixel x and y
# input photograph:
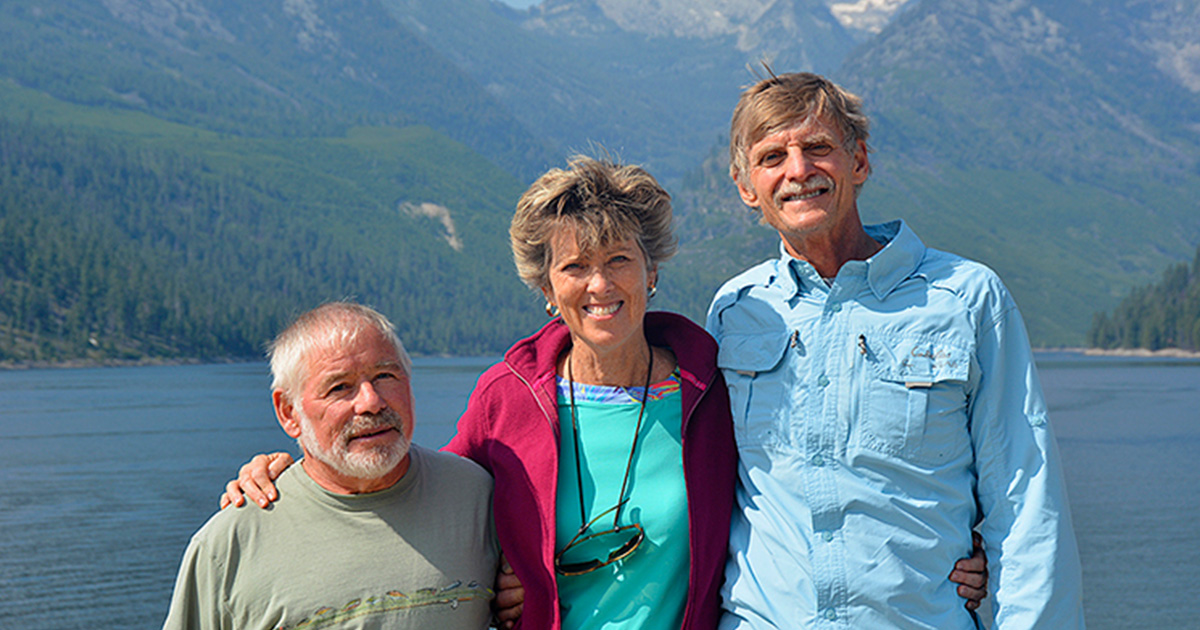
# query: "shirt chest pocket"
{"type": "Point", "coordinates": [914, 399]}
{"type": "Point", "coordinates": [755, 371]}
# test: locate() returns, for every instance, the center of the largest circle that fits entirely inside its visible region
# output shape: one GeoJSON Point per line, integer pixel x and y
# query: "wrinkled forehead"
{"type": "Point", "coordinates": [813, 126]}
{"type": "Point", "coordinates": [346, 349]}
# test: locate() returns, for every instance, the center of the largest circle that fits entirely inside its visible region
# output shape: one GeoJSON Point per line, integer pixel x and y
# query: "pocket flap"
{"type": "Point", "coordinates": [750, 354]}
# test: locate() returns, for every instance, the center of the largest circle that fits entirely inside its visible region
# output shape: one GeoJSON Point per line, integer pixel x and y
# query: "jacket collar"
{"type": "Point", "coordinates": [535, 358]}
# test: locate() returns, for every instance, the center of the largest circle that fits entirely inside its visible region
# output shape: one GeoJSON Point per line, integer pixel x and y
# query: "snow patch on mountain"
{"type": "Point", "coordinates": [868, 16]}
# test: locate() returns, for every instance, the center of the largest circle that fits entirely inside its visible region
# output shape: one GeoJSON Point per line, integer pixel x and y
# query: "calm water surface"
{"type": "Point", "coordinates": [105, 473]}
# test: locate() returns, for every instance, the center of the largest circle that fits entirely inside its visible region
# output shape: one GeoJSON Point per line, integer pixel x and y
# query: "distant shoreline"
{"type": "Point", "coordinates": [1143, 353]}
{"type": "Point", "coordinates": [1165, 353]}
{"type": "Point", "coordinates": [96, 363]}
{"type": "Point", "coordinates": [81, 363]}
{"type": "Point", "coordinates": [1172, 353]}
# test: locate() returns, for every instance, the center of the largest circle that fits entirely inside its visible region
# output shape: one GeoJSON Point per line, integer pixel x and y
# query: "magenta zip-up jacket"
{"type": "Point", "coordinates": [511, 428]}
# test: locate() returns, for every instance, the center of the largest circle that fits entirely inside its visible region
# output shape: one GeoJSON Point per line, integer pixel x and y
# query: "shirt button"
{"type": "Point", "coordinates": [817, 460]}
{"type": "Point", "coordinates": [830, 614]}
{"type": "Point", "coordinates": [822, 381]}
{"type": "Point", "coordinates": [835, 307]}
{"type": "Point", "coordinates": [827, 536]}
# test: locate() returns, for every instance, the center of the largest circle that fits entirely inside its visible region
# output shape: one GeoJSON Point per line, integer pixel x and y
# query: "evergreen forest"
{"type": "Point", "coordinates": [1155, 317]}
{"type": "Point", "coordinates": [119, 250]}
{"type": "Point", "coordinates": [176, 184]}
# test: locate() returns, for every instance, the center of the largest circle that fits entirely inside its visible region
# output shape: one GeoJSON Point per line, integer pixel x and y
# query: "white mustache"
{"type": "Point", "coordinates": [372, 423]}
{"type": "Point", "coordinates": [799, 188]}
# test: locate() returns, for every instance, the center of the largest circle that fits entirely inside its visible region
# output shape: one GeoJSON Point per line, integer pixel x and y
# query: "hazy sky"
{"type": "Point", "coordinates": [520, 4]}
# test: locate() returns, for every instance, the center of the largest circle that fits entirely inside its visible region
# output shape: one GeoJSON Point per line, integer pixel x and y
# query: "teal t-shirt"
{"type": "Point", "coordinates": [648, 589]}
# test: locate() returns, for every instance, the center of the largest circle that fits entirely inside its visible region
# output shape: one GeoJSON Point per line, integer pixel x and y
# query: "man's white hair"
{"type": "Point", "coordinates": [329, 325]}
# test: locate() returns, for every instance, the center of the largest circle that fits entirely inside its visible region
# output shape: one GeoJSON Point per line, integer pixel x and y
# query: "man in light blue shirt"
{"type": "Point", "coordinates": [885, 402]}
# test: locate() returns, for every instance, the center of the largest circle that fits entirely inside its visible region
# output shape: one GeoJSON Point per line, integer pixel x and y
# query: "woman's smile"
{"type": "Point", "coordinates": [601, 293]}
{"type": "Point", "coordinates": [598, 310]}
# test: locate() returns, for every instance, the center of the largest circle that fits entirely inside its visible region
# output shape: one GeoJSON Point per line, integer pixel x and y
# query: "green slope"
{"type": "Point", "coordinates": [1066, 249]}
{"type": "Point", "coordinates": [264, 70]}
{"type": "Point", "coordinates": [127, 237]}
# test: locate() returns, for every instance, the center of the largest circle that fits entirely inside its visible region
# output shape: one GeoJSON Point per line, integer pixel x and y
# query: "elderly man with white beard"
{"type": "Point", "coordinates": [370, 531]}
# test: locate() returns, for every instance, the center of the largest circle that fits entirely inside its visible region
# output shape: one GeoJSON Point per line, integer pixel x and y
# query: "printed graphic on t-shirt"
{"type": "Point", "coordinates": [451, 595]}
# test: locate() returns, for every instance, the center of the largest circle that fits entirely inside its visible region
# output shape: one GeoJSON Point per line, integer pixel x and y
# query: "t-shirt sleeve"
{"type": "Point", "coordinates": [197, 603]}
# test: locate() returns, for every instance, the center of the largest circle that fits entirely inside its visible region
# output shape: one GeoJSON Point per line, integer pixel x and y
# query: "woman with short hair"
{"type": "Point", "coordinates": [608, 431]}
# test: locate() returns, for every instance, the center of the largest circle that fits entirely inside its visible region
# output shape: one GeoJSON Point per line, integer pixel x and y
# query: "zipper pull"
{"type": "Point", "coordinates": [862, 344]}
{"type": "Point", "coordinates": [795, 339]}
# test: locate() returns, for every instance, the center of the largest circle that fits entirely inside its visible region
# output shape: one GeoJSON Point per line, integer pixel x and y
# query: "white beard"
{"type": "Point", "coordinates": [361, 464]}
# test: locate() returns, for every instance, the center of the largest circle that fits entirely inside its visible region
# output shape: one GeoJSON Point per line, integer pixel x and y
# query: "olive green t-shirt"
{"type": "Point", "coordinates": [421, 554]}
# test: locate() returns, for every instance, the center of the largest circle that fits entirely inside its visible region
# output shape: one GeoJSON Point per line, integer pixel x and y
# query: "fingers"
{"type": "Point", "coordinates": [971, 574]}
{"type": "Point", "coordinates": [971, 579]}
{"type": "Point", "coordinates": [972, 584]}
{"type": "Point", "coordinates": [978, 552]}
{"type": "Point", "coordinates": [972, 595]}
{"type": "Point", "coordinates": [232, 496]}
{"type": "Point", "coordinates": [255, 477]}
{"type": "Point", "coordinates": [510, 596]}
{"type": "Point", "coordinates": [279, 463]}
{"type": "Point", "coordinates": [975, 564]}
{"type": "Point", "coordinates": [507, 618]}
{"type": "Point", "coordinates": [509, 591]}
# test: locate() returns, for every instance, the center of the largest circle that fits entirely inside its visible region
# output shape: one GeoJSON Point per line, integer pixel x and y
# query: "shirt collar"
{"type": "Point", "coordinates": [902, 252]}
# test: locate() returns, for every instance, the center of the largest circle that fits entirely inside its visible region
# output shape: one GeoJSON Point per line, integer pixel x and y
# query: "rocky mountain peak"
{"type": "Point", "coordinates": [708, 18]}
{"type": "Point", "coordinates": [684, 18]}
{"type": "Point", "coordinates": [169, 20]}
{"type": "Point", "coordinates": [1171, 34]}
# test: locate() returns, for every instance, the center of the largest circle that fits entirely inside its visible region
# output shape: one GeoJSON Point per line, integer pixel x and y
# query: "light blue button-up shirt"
{"type": "Point", "coordinates": [879, 418]}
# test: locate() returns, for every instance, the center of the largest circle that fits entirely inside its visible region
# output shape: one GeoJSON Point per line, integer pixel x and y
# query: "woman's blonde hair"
{"type": "Point", "coordinates": [603, 201]}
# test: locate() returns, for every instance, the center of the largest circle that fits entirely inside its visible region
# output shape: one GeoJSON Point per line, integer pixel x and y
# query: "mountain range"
{"type": "Point", "coordinates": [1057, 141]}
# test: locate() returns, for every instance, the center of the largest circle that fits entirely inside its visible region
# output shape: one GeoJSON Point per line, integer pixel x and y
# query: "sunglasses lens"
{"type": "Point", "coordinates": [628, 547]}
{"type": "Point", "coordinates": [595, 551]}
{"type": "Point", "coordinates": [577, 568]}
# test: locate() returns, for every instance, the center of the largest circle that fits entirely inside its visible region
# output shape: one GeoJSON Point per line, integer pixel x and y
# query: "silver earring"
{"type": "Point", "coordinates": [651, 291]}
{"type": "Point", "coordinates": [551, 309]}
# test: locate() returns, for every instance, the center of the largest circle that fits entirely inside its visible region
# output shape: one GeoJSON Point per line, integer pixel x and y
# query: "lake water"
{"type": "Point", "coordinates": [105, 473]}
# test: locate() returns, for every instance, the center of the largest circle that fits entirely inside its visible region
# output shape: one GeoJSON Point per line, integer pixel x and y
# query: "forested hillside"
{"type": "Point", "coordinates": [181, 175]}
{"type": "Point", "coordinates": [112, 248]}
{"type": "Point", "coordinates": [179, 179]}
{"type": "Point", "coordinates": [1162, 315]}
